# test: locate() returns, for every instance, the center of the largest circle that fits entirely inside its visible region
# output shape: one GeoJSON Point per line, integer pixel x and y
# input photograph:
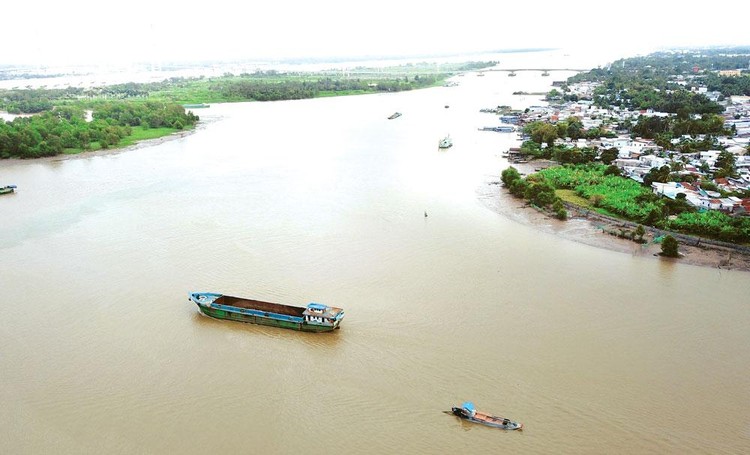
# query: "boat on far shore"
{"type": "Point", "coordinates": [468, 411]}
{"type": "Point", "coordinates": [8, 189]}
{"type": "Point", "coordinates": [316, 317]}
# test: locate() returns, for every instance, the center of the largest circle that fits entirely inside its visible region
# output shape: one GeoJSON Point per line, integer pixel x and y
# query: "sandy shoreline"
{"type": "Point", "coordinates": [592, 232]}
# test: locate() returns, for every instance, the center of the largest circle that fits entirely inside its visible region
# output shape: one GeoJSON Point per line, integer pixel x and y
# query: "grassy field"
{"type": "Point", "coordinates": [573, 198]}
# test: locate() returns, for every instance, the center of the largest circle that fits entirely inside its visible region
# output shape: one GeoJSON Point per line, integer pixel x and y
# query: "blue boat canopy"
{"type": "Point", "coordinates": [469, 406]}
{"type": "Point", "coordinates": [316, 306]}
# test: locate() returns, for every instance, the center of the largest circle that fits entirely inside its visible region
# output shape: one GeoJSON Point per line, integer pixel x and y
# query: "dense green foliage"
{"type": "Point", "coordinates": [616, 195]}
{"type": "Point", "coordinates": [713, 224]}
{"type": "Point", "coordinates": [536, 190]}
{"type": "Point", "coordinates": [53, 132]}
{"type": "Point", "coordinates": [728, 85]}
{"type": "Point", "coordinates": [33, 101]}
{"type": "Point", "coordinates": [623, 197]}
{"type": "Point", "coordinates": [289, 89]}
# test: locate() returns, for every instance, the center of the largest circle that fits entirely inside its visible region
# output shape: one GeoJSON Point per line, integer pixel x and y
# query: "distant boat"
{"type": "Point", "coordinates": [498, 129]}
{"type": "Point", "coordinates": [445, 143]}
{"type": "Point", "coordinates": [8, 189]}
{"type": "Point", "coordinates": [316, 317]}
{"type": "Point", "coordinates": [468, 411]}
{"type": "Point", "coordinates": [394, 115]}
{"type": "Point", "coordinates": [196, 106]}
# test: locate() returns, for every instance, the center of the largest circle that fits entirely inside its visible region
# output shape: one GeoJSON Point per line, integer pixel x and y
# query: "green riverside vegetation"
{"type": "Point", "coordinates": [617, 196]}
{"type": "Point", "coordinates": [65, 129]}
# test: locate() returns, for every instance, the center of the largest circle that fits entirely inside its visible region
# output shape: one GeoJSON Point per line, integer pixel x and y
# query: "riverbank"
{"type": "Point", "coordinates": [592, 229]}
{"type": "Point", "coordinates": [112, 150]}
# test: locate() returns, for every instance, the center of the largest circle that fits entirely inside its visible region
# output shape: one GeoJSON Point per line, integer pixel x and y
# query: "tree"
{"type": "Point", "coordinates": [669, 247]}
{"type": "Point", "coordinates": [518, 187]}
{"type": "Point", "coordinates": [657, 175]}
{"type": "Point", "coordinates": [542, 133]}
{"type": "Point", "coordinates": [540, 193]}
{"type": "Point", "coordinates": [609, 155]}
{"type": "Point", "coordinates": [613, 170]}
{"type": "Point", "coordinates": [575, 126]}
{"type": "Point", "coordinates": [509, 175]}
{"type": "Point", "coordinates": [726, 164]}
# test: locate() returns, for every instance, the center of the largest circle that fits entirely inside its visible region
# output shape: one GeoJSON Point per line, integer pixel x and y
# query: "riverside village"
{"type": "Point", "coordinates": [636, 156]}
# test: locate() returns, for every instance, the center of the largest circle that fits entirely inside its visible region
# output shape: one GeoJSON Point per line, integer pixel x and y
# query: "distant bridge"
{"type": "Point", "coordinates": [388, 72]}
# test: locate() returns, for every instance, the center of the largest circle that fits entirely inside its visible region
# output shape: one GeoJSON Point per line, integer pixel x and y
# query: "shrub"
{"type": "Point", "coordinates": [669, 247]}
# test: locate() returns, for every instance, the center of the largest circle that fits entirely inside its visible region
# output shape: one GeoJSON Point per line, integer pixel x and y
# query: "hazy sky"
{"type": "Point", "coordinates": [81, 31]}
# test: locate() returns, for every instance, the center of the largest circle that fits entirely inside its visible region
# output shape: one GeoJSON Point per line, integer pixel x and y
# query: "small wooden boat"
{"type": "Point", "coordinates": [469, 412]}
{"type": "Point", "coordinates": [316, 317]}
{"type": "Point", "coordinates": [394, 115]}
{"type": "Point", "coordinates": [7, 189]}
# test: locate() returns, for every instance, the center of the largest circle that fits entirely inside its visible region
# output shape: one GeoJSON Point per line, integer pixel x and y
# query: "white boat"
{"type": "Point", "coordinates": [445, 143]}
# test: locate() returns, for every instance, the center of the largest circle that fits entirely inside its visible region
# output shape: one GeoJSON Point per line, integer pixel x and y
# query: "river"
{"type": "Point", "coordinates": [327, 200]}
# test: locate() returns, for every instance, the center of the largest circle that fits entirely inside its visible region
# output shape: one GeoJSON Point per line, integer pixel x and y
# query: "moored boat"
{"type": "Point", "coordinates": [394, 115]}
{"type": "Point", "coordinates": [469, 412]}
{"type": "Point", "coordinates": [7, 189]}
{"type": "Point", "coordinates": [315, 317]}
{"type": "Point", "coordinates": [445, 143]}
{"type": "Point", "coordinates": [498, 129]}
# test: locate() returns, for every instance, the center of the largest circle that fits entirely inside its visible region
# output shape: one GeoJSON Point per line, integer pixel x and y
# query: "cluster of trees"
{"type": "Point", "coordinates": [547, 133]}
{"type": "Point", "coordinates": [538, 191]}
{"type": "Point", "coordinates": [65, 127]}
{"type": "Point", "coordinates": [666, 128]}
{"type": "Point", "coordinates": [660, 66]}
{"type": "Point", "coordinates": [728, 85]}
{"type": "Point", "coordinates": [263, 90]}
{"type": "Point", "coordinates": [712, 224]}
{"type": "Point", "coordinates": [542, 142]}
{"type": "Point", "coordinates": [33, 101]}
{"type": "Point", "coordinates": [469, 66]}
{"type": "Point", "coordinates": [637, 95]}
